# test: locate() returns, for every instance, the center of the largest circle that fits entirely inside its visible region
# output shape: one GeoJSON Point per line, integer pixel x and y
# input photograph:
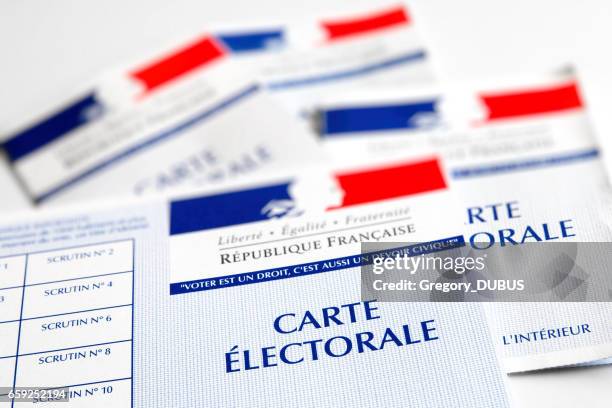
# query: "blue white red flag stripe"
{"type": "Point", "coordinates": [260, 203]}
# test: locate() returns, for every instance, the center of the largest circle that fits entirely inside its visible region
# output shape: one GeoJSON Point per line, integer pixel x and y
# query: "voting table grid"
{"type": "Point", "coordinates": [73, 331]}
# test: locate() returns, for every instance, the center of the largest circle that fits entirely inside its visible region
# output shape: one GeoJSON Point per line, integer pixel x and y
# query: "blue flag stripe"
{"type": "Point", "coordinates": [222, 210]}
{"type": "Point", "coordinates": [252, 41]}
{"type": "Point", "coordinates": [55, 126]}
{"type": "Point", "coordinates": [373, 118]}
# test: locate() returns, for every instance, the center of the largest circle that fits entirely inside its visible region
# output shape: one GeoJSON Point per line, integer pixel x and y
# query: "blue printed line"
{"type": "Point", "coordinates": [25, 273]}
{"type": "Point", "coordinates": [89, 383]}
{"type": "Point", "coordinates": [9, 321]}
{"type": "Point", "coordinates": [349, 73]}
{"type": "Point", "coordinates": [67, 313]}
{"type": "Point", "coordinates": [92, 383]}
{"type": "Point", "coordinates": [68, 280]}
{"type": "Point", "coordinates": [467, 172]}
{"type": "Point", "coordinates": [42, 251]}
{"type": "Point", "coordinates": [312, 268]}
{"type": "Point", "coordinates": [150, 142]}
{"type": "Point", "coordinates": [78, 311]}
{"type": "Point", "coordinates": [11, 287]}
{"type": "Point", "coordinates": [70, 348]}
{"type": "Point", "coordinates": [132, 359]}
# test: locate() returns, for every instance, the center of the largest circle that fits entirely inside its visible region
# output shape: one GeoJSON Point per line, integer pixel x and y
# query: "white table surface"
{"type": "Point", "coordinates": [46, 47]}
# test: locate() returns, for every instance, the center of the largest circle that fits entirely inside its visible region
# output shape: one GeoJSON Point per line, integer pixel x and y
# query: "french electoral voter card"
{"type": "Point", "coordinates": [531, 146]}
{"type": "Point", "coordinates": [375, 48]}
{"type": "Point", "coordinates": [88, 301]}
{"type": "Point", "coordinates": [424, 207]}
{"type": "Point", "coordinates": [304, 61]}
{"type": "Point", "coordinates": [189, 117]}
{"type": "Point", "coordinates": [518, 122]}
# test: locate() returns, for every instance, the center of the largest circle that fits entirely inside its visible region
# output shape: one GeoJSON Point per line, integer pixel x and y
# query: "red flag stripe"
{"type": "Point", "coordinates": [178, 63]}
{"type": "Point", "coordinates": [372, 22]}
{"type": "Point", "coordinates": [532, 102]}
{"type": "Point", "coordinates": [390, 182]}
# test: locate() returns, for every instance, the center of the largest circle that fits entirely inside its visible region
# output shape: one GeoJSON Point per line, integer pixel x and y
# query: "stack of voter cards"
{"type": "Point", "coordinates": [198, 218]}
